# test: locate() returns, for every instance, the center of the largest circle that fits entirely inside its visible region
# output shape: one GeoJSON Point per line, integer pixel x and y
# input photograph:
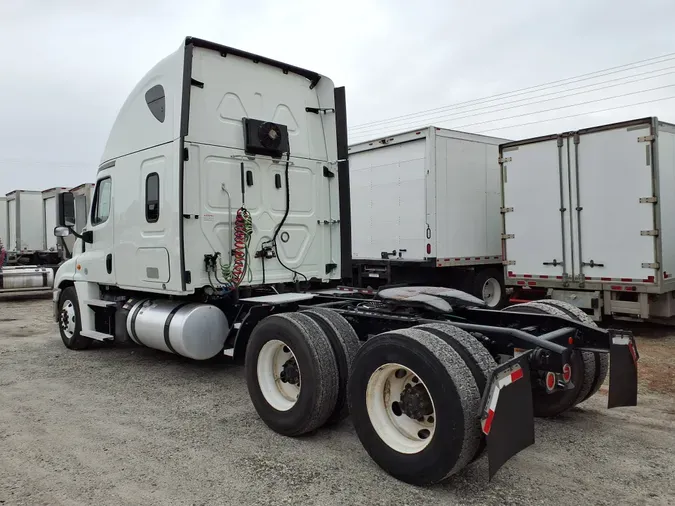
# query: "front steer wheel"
{"type": "Point", "coordinates": [291, 373]}
{"type": "Point", "coordinates": [70, 325]}
{"type": "Point", "coordinates": [414, 404]}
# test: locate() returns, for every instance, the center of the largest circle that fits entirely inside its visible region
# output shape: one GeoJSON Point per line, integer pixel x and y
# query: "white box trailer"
{"type": "Point", "coordinates": [82, 196]}
{"type": "Point", "coordinates": [425, 208]}
{"type": "Point", "coordinates": [50, 210]}
{"type": "Point", "coordinates": [4, 222]}
{"type": "Point", "coordinates": [589, 216]}
{"type": "Point", "coordinates": [25, 221]}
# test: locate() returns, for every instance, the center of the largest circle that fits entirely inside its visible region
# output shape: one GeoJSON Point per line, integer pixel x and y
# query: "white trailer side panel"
{"type": "Point", "coordinates": [50, 223]}
{"type": "Point", "coordinates": [666, 163]}
{"type": "Point", "coordinates": [532, 178]}
{"type": "Point", "coordinates": [614, 172]}
{"type": "Point", "coordinates": [388, 201]}
{"type": "Point", "coordinates": [468, 198]}
{"type": "Point", "coordinates": [11, 214]}
{"type": "Point", "coordinates": [30, 220]}
{"type": "Point", "coordinates": [4, 223]}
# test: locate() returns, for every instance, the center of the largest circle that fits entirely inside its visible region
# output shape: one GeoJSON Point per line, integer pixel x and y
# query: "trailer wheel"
{"type": "Point", "coordinates": [415, 406]}
{"type": "Point", "coordinates": [601, 359]}
{"type": "Point", "coordinates": [291, 373]}
{"type": "Point", "coordinates": [583, 372]}
{"type": "Point", "coordinates": [345, 344]}
{"type": "Point", "coordinates": [488, 285]}
{"type": "Point", "coordinates": [70, 324]}
{"type": "Point", "coordinates": [475, 356]}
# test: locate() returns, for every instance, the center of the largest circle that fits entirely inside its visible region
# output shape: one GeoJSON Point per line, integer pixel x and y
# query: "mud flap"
{"type": "Point", "coordinates": [623, 358]}
{"type": "Point", "coordinates": [507, 416]}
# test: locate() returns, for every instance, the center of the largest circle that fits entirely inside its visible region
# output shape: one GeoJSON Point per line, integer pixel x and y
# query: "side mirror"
{"type": "Point", "coordinates": [66, 210]}
{"type": "Point", "coordinates": [61, 231]}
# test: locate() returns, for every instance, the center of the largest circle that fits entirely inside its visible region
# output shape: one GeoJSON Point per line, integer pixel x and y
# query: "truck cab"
{"type": "Point", "coordinates": [219, 173]}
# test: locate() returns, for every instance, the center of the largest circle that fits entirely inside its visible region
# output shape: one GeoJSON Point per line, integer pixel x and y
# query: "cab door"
{"type": "Point", "coordinates": [95, 264]}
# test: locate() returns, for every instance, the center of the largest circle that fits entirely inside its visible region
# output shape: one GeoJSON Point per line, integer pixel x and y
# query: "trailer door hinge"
{"type": "Point", "coordinates": [330, 268]}
{"type": "Point", "coordinates": [646, 138]}
{"type": "Point", "coordinates": [506, 210]}
{"type": "Point", "coordinates": [508, 236]}
{"type": "Point", "coordinates": [649, 232]}
{"type": "Point", "coordinates": [504, 160]}
{"type": "Point", "coordinates": [654, 265]}
{"type": "Point", "coordinates": [186, 154]}
{"type": "Point", "coordinates": [648, 200]}
{"type": "Point", "coordinates": [508, 262]}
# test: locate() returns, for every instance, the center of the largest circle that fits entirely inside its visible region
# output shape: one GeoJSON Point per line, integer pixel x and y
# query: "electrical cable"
{"type": "Point", "coordinates": [490, 109]}
{"type": "Point", "coordinates": [567, 106]}
{"type": "Point", "coordinates": [540, 87]}
{"type": "Point", "coordinates": [578, 114]}
{"type": "Point", "coordinates": [273, 241]}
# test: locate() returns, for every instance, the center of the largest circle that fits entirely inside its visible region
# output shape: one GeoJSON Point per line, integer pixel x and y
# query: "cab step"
{"type": "Point", "coordinates": [97, 336]}
{"type": "Point", "coordinates": [100, 303]}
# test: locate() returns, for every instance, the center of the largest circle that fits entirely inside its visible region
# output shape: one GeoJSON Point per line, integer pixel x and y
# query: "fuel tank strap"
{"type": "Point", "coordinates": [134, 336]}
{"type": "Point", "coordinates": [167, 326]}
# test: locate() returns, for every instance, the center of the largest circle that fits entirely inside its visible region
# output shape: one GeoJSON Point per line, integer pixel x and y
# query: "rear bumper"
{"type": "Point", "coordinates": [507, 418]}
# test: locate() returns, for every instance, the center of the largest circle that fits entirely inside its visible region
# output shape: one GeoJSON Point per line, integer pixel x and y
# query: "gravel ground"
{"type": "Point", "coordinates": [132, 426]}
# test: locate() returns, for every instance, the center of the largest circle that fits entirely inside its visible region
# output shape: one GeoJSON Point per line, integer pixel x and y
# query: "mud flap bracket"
{"type": "Point", "coordinates": [507, 415]}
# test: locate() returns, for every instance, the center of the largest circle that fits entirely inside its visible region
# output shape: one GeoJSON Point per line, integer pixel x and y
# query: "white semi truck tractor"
{"type": "Point", "coordinates": [220, 225]}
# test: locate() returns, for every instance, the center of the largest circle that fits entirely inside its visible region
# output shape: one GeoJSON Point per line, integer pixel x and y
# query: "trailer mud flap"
{"type": "Point", "coordinates": [623, 359]}
{"type": "Point", "coordinates": [507, 416]}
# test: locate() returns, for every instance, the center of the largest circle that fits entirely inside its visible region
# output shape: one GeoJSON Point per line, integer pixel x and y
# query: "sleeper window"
{"type": "Point", "coordinates": [152, 197]}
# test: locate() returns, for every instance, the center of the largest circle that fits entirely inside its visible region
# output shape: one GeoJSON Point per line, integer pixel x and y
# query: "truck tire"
{"type": "Point", "coordinates": [475, 356]}
{"type": "Point", "coordinates": [70, 324]}
{"type": "Point", "coordinates": [601, 359]}
{"type": "Point", "coordinates": [291, 373]}
{"type": "Point", "coordinates": [583, 371]}
{"type": "Point", "coordinates": [345, 344]}
{"type": "Point", "coordinates": [415, 406]}
{"type": "Point", "coordinates": [488, 285]}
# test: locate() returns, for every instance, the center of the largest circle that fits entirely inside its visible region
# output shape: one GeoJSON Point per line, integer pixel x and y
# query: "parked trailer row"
{"type": "Point", "coordinates": [31, 250]}
{"type": "Point", "coordinates": [235, 242]}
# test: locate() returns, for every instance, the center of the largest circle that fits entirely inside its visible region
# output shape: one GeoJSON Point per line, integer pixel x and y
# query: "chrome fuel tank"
{"type": "Point", "coordinates": [189, 329]}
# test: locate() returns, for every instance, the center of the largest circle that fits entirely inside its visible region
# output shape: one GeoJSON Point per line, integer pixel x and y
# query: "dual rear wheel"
{"type": "Point", "coordinates": [413, 394]}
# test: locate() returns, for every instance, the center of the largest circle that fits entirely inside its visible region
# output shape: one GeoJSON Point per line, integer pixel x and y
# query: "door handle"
{"type": "Point", "coordinates": [108, 263]}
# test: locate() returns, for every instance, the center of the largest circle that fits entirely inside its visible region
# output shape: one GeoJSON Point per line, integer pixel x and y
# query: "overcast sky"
{"type": "Point", "coordinates": [66, 66]}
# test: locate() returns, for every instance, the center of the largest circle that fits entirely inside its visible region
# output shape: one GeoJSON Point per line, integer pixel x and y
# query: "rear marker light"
{"type": "Point", "coordinates": [550, 381]}
{"type": "Point", "coordinates": [567, 373]}
{"type": "Point", "coordinates": [532, 283]}
{"type": "Point", "coordinates": [650, 279]}
{"type": "Point", "coordinates": [571, 341]}
{"type": "Point", "coordinates": [428, 249]}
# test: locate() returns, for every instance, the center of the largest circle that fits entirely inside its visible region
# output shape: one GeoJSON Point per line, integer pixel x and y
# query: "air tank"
{"type": "Point", "coordinates": [26, 277]}
{"type": "Point", "coordinates": [192, 330]}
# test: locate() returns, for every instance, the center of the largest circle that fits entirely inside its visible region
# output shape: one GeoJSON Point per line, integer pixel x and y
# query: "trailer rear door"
{"type": "Point", "coordinates": [613, 219]}
{"type": "Point", "coordinates": [388, 201]}
{"type": "Point", "coordinates": [536, 209]}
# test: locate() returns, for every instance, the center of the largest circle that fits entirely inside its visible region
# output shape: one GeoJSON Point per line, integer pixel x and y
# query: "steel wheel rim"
{"type": "Point", "coordinates": [394, 426]}
{"type": "Point", "coordinates": [68, 320]}
{"type": "Point", "coordinates": [491, 292]}
{"type": "Point", "coordinates": [275, 361]}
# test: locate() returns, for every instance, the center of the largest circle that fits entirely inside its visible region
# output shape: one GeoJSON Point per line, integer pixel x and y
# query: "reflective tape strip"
{"type": "Point", "coordinates": [507, 378]}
